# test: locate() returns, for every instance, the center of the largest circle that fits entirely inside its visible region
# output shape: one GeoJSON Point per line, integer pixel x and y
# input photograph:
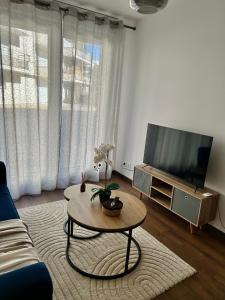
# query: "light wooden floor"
{"type": "Point", "coordinates": [205, 250]}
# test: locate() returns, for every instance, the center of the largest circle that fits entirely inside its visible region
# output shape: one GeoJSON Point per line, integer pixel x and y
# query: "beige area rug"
{"type": "Point", "coordinates": [158, 270]}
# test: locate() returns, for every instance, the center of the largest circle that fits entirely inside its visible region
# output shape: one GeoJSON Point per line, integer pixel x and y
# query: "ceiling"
{"type": "Point", "coordinates": [119, 8]}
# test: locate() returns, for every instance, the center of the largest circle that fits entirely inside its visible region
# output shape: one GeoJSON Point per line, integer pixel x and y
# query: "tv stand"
{"type": "Point", "coordinates": [198, 206]}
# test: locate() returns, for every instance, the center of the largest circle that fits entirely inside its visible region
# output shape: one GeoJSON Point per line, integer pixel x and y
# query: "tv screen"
{"type": "Point", "coordinates": [180, 153]}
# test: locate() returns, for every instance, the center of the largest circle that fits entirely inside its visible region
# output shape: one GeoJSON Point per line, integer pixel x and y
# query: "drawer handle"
{"type": "Point", "coordinates": [186, 197]}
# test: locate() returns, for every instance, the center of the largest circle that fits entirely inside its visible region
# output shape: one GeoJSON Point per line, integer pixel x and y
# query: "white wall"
{"type": "Point", "coordinates": [127, 96]}
{"type": "Point", "coordinates": [175, 76]}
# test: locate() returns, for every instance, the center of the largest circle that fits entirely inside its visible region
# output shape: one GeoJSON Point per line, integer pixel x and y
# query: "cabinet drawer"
{"type": "Point", "coordinates": [142, 181]}
{"type": "Point", "coordinates": [186, 206]}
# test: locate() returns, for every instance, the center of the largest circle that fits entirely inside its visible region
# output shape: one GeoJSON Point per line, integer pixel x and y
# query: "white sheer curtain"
{"type": "Point", "coordinates": [92, 56]}
{"type": "Point", "coordinates": [59, 93]}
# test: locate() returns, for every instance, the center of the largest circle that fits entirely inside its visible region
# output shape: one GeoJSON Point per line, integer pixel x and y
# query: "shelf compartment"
{"type": "Point", "coordinates": [162, 187]}
{"type": "Point", "coordinates": [160, 198]}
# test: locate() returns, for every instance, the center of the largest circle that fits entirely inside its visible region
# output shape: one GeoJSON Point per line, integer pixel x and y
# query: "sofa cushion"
{"type": "Point", "coordinates": [7, 207]}
{"type": "Point", "coordinates": [29, 283]}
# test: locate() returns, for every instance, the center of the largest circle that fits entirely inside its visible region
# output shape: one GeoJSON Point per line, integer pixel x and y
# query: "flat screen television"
{"type": "Point", "coordinates": [180, 153]}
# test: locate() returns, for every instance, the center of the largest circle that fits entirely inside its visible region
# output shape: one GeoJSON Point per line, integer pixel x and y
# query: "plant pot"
{"type": "Point", "coordinates": [104, 196]}
{"type": "Point", "coordinates": [112, 211]}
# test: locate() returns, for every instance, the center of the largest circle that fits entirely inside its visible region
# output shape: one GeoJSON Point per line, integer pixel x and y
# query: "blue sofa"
{"type": "Point", "coordinates": [32, 282]}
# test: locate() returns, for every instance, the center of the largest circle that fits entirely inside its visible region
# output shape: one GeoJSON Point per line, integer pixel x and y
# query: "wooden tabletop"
{"type": "Point", "coordinates": [89, 214]}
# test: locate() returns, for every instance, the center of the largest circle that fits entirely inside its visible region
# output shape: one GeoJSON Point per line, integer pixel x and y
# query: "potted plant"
{"type": "Point", "coordinates": [104, 193]}
{"type": "Point", "coordinates": [102, 154]}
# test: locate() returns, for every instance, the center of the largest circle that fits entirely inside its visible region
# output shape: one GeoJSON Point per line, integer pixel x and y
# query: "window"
{"type": "Point", "coordinates": [27, 67]}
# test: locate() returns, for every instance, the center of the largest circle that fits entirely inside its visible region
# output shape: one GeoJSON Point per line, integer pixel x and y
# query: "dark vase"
{"type": "Point", "coordinates": [104, 196]}
{"type": "Point", "coordinates": [82, 187]}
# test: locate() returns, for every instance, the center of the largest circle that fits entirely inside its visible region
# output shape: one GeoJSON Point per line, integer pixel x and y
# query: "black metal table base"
{"type": "Point", "coordinates": [126, 271]}
{"type": "Point", "coordinates": [79, 237]}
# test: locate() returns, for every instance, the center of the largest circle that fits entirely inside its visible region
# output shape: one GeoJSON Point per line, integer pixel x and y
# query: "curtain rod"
{"type": "Point", "coordinates": [96, 12]}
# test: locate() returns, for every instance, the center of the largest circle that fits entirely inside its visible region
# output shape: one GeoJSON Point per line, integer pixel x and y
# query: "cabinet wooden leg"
{"type": "Point", "coordinates": [140, 196]}
{"type": "Point", "coordinates": [191, 228]}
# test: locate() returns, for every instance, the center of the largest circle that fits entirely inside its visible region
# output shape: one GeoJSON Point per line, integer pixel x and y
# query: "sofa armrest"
{"type": "Point", "coordinates": [31, 282]}
{"type": "Point", "coordinates": [2, 173]}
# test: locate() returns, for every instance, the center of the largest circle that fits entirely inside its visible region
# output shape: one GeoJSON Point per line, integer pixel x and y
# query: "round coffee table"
{"type": "Point", "coordinates": [89, 215]}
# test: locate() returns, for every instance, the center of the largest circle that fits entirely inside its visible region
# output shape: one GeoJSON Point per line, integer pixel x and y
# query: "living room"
{"type": "Point", "coordinates": [88, 89]}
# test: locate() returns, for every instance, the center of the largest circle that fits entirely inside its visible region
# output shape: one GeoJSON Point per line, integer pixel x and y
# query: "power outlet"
{"type": "Point", "coordinates": [127, 165]}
